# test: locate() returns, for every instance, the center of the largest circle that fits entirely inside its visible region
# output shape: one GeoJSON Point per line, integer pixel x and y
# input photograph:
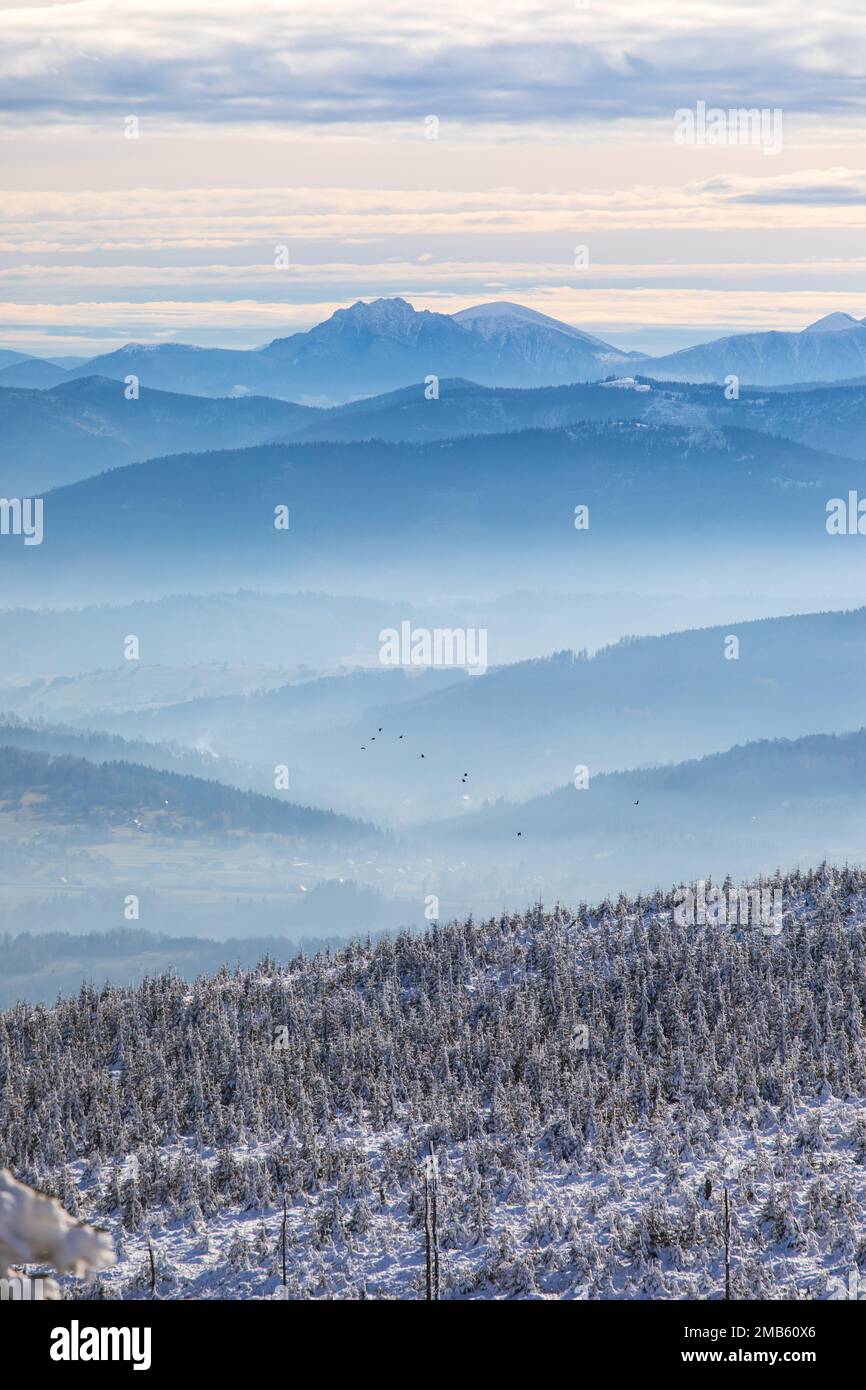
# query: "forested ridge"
{"type": "Point", "coordinates": [182, 1113]}
{"type": "Point", "coordinates": [74, 790]}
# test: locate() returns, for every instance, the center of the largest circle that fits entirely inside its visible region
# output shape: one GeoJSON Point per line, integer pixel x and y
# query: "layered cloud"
{"type": "Point", "coordinates": [215, 219]}
{"type": "Point", "coordinates": [809, 188]}
{"type": "Point", "coordinates": [305, 124]}
{"type": "Point", "coordinates": [334, 62]}
{"type": "Point", "coordinates": [237, 322]}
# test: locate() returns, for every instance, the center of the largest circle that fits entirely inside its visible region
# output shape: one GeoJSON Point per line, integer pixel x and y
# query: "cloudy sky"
{"type": "Point", "coordinates": [263, 123]}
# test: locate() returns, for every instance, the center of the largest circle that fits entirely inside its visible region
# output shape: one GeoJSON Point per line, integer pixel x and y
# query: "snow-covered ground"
{"type": "Point", "coordinates": [590, 1083]}
{"type": "Point", "coordinates": [638, 1230]}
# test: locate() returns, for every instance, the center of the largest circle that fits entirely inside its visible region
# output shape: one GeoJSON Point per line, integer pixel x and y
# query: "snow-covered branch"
{"type": "Point", "coordinates": [35, 1229]}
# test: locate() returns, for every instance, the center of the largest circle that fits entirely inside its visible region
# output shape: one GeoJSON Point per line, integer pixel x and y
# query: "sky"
{"type": "Point", "coordinates": [154, 156]}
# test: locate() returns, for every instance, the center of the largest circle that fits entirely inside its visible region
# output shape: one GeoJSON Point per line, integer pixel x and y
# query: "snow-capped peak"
{"type": "Point", "coordinates": [501, 315]}
{"type": "Point", "coordinates": [505, 309]}
{"type": "Point", "coordinates": [379, 310]}
{"type": "Point", "coordinates": [379, 315]}
{"type": "Point", "coordinates": [834, 323]}
{"type": "Point", "coordinates": [393, 319]}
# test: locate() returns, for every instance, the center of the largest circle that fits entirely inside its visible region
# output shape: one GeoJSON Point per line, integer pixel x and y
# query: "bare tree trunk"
{"type": "Point", "coordinates": [727, 1246]}
{"type": "Point", "coordinates": [152, 1271]}
{"type": "Point", "coordinates": [285, 1218]}
{"type": "Point", "coordinates": [431, 1233]}
{"type": "Point", "coordinates": [428, 1234]}
{"type": "Point", "coordinates": [434, 1172]}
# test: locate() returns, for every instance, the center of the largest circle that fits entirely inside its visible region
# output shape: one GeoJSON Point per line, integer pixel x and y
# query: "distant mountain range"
{"type": "Point", "coordinates": [85, 426]}
{"type": "Point", "coordinates": [794, 781]}
{"type": "Point", "coordinates": [741, 811]}
{"type": "Point", "coordinates": [521, 729]}
{"type": "Point", "coordinates": [68, 665]}
{"type": "Point", "coordinates": [370, 348]}
{"type": "Point", "coordinates": [832, 349]}
{"type": "Point", "coordinates": [383, 345]}
{"type": "Point", "coordinates": [122, 684]}
{"type": "Point", "coordinates": [32, 374]}
{"type": "Point", "coordinates": [217, 638]}
{"type": "Point", "coordinates": [830, 417]}
{"type": "Point", "coordinates": [167, 523]}
{"type": "Point", "coordinates": [293, 714]}
{"type": "Point", "coordinates": [22, 369]}
{"type": "Point", "coordinates": [64, 740]}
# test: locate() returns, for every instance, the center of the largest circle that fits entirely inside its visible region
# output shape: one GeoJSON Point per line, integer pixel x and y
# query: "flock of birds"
{"type": "Point", "coordinates": [463, 780]}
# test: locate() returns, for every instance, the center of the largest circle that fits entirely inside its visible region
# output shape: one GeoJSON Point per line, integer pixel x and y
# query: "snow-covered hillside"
{"type": "Point", "coordinates": [590, 1082]}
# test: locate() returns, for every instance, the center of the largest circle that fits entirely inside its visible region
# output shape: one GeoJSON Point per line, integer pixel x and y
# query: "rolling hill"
{"type": "Point", "coordinates": [523, 728]}
{"type": "Point", "coordinates": [740, 812]}
{"type": "Point", "coordinates": [171, 523]}
{"type": "Point", "coordinates": [36, 786]}
{"type": "Point", "coordinates": [85, 426]}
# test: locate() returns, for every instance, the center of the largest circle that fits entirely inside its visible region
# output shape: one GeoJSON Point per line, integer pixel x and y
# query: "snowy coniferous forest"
{"type": "Point", "coordinates": [590, 1083]}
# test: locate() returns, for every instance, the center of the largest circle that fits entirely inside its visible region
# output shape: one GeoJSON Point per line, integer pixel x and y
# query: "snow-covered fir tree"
{"type": "Point", "coordinates": [591, 1081]}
